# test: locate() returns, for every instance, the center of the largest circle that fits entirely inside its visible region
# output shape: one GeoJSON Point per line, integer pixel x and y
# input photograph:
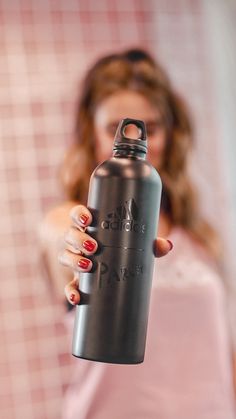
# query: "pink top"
{"type": "Point", "coordinates": [187, 372]}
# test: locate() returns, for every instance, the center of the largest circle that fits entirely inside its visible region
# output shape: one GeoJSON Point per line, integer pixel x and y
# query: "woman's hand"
{"type": "Point", "coordinates": [79, 246]}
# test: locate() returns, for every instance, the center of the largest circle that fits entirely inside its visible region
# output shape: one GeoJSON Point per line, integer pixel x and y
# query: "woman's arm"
{"type": "Point", "coordinates": [51, 238]}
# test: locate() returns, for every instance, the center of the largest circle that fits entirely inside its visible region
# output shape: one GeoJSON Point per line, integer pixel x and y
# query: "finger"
{"type": "Point", "coordinates": [81, 216]}
{"type": "Point", "coordinates": [71, 292]}
{"type": "Point", "coordinates": [80, 241]}
{"type": "Point", "coordinates": [77, 263]}
{"type": "Point", "coordinates": [162, 247]}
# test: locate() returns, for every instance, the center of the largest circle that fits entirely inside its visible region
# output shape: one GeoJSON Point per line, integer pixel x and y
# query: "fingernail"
{"type": "Point", "coordinates": [88, 245]}
{"type": "Point", "coordinates": [83, 218]}
{"type": "Point", "coordinates": [84, 263]}
{"type": "Point", "coordinates": [72, 297]}
{"type": "Point", "coordinates": [171, 244]}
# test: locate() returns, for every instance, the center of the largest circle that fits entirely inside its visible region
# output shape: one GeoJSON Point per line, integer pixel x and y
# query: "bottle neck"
{"type": "Point", "coordinates": [129, 153]}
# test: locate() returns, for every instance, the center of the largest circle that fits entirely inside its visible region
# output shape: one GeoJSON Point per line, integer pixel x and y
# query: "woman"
{"type": "Point", "coordinates": [187, 367]}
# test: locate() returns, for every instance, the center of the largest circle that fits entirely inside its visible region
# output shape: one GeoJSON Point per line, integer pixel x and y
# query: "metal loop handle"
{"type": "Point", "coordinates": [138, 123]}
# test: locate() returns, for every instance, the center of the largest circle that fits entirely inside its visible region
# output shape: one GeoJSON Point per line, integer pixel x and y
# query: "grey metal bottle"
{"type": "Point", "coordinates": [124, 199]}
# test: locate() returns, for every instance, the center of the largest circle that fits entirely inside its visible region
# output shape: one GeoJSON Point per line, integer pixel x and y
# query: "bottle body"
{"type": "Point", "coordinates": [111, 320]}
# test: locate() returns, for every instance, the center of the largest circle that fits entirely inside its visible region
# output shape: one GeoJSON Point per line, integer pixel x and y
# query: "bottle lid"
{"type": "Point", "coordinates": [123, 142]}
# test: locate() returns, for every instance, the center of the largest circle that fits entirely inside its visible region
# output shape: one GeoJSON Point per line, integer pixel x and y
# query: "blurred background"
{"type": "Point", "coordinates": [45, 48]}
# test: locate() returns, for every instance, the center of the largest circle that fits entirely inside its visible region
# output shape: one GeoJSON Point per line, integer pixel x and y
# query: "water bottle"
{"type": "Point", "coordinates": [124, 199]}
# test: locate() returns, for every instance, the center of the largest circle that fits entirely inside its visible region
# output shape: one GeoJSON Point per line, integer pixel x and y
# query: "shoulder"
{"type": "Point", "coordinates": [189, 248]}
{"type": "Point", "coordinates": [188, 264]}
{"type": "Point", "coordinates": [55, 222]}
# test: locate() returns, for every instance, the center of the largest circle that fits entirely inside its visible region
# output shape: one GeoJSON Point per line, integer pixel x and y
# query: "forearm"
{"type": "Point", "coordinates": [51, 241]}
{"type": "Point", "coordinates": [57, 275]}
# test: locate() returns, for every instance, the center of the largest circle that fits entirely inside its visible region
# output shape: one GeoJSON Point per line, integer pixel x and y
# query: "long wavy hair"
{"type": "Point", "coordinates": [136, 70]}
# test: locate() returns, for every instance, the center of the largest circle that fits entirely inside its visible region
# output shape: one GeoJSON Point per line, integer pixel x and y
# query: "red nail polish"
{"type": "Point", "coordinates": [171, 244]}
{"type": "Point", "coordinates": [72, 297]}
{"type": "Point", "coordinates": [88, 245]}
{"type": "Point", "coordinates": [83, 218]}
{"type": "Point", "coordinates": [84, 263]}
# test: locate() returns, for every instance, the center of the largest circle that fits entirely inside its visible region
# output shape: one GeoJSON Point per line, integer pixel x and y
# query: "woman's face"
{"type": "Point", "coordinates": [128, 104]}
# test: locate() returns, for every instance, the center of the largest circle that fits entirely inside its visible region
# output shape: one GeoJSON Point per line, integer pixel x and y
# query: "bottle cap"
{"type": "Point", "coordinates": [123, 142]}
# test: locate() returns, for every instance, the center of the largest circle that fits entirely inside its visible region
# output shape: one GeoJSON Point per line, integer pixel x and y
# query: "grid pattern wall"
{"type": "Point", "coordinates": [45, 47]}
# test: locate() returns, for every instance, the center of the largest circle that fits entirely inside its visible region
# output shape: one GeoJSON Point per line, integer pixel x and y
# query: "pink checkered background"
{"type": "Point", "coordinates": [45, 47]}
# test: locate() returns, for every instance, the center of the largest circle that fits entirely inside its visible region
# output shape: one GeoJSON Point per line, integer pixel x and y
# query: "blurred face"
{"type": "Point", "coordinates": [128, 104]}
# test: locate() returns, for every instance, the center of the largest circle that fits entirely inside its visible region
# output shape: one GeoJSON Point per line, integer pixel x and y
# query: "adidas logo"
{"type": "Point", "coordinates": [124, 218]}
